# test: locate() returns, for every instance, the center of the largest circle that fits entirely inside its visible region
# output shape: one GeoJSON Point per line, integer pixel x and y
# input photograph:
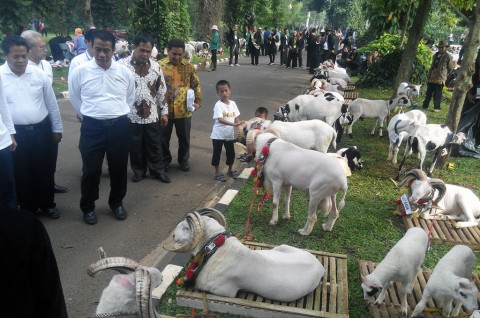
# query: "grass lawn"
{"type": "Point", "coordinates": [366, 228]}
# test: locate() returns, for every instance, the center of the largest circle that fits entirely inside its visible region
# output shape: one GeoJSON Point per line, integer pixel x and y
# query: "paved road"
{"type": "Point", "coordinates": [154, 207]}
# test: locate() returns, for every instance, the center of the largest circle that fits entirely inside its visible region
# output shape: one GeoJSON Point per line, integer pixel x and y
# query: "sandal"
{"type": "Point", "coordinates": [220, 177]}
{"type": "Point", "coordinates": [233, 174]}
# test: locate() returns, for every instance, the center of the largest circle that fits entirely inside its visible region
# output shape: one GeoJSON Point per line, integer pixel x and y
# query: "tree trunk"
{"type": "Point", "coordinates": [464, 77]}
{"type": "Point", "coordinates": [405, 25]}
{"type": "Point", "coordinates": [86, 12]}
{"type": "Point", "coordinates": [210, 12]}
{"type": "Point", "coordinates": [414, 37]}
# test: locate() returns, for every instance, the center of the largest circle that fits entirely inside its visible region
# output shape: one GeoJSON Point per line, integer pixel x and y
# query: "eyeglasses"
{"type": "Point", "coordinates": [42, 47]}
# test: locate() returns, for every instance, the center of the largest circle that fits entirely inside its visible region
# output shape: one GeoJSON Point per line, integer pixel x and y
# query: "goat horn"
{"type": "Point", "coordinates": [250, 140]}
{"type": "Point", "coordinates": [440, 186]}
{"type": "Point", "coordinates": [275, 132]}
{"type": "Point", "coordinates": [143, 290]}
{"type": "Point", "coordinates": [214, 214]}
{"type": "Point", "coordinates": [196, 225]}
{"type": "Point", "coordinates": [122, 265]}
{"type": "Point", "coordinates": [412, 174]}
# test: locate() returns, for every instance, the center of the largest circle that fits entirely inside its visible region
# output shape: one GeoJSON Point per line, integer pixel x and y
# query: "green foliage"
{"type": "Point", "coordinates": [383, 73]}
{"type": "Point", "coordinates": [389, 15]}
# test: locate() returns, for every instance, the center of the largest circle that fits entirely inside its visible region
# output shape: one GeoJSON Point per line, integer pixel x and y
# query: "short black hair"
{"type": "Point", "coordinates": [89, 35]}
{"type": "Point", "coordinates": [261, 110]}
{"type": "Point", "coordinates": [68, 38]}
{"type": "Point", "coordinates": [221, 83]}
{"type": "Point", "coordinates": [137, 39]}
{"type": "Point", "coordinates": [176, 43]}
{"type": "Point", "coordinates": [104, 36]}
{"type": "Point", "coordinates": [14, 40]}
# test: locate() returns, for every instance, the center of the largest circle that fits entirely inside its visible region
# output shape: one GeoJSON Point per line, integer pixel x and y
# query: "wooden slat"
{"type": "Point", "coordinates": [329, 299]}
{"type": "Point", "coordinates": [387, 310]}
{"type": "Point", "coordinates": [444, 232]}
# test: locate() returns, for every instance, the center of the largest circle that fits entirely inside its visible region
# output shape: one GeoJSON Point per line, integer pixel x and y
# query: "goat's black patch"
{"type": "Point", "coordinates": [413, 143]}
{"type": "Point", "coordinates": [344, 108]}
{"type": "Point", "coordinates": [329, 96]}
{"type": "Point", "coordinates": [443, 125]}
{"type": "Point", "coordinates": [405, 101]}
{"type": "Point", "coordinates": [287, 109]}
{"type": "Point", "coordinates": [390, 102]}
{"type": "Point", "coordinates": [430, 146]}
{"type": "Point", "coordinates": [297, 107]}
{"type": "Point", "coordinates": [372, 292]}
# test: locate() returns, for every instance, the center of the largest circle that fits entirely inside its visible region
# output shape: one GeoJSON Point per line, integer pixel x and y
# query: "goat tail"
{"type": "Point", "coordinates": [341, 204]}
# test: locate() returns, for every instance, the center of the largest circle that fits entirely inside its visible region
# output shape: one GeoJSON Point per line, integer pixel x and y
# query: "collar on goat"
{"type": "Point", "coordinates": [261, 162]}
{"type": "Point", "coordinates": [201, 258]}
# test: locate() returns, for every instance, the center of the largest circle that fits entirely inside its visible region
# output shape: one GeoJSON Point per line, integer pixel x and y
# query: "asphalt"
{"type": "Point", "coordinates": [154, 208]}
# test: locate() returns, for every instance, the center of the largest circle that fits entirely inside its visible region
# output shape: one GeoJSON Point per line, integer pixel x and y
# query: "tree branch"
{"type": "Point", "coordinates": [458, 12]}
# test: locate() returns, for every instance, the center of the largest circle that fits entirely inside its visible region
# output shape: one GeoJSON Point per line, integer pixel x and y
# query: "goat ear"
{"type": "Point", "coordinates": [465, 284]}
{"type": "Point", "coordinates": [126, 281]}
{"type": "Point", "coordinates": [287, 108]}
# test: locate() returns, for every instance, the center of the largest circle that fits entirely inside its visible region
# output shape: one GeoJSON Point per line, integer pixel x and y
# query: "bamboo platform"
{"type": "Point", "coordinates": [350, 87]}
{"type": "Point", "coordinates": [390, 307]}
{"type": "Point", "coordinates": [350, 95]}
{"type": "Point", "coordinates": [444, 232]}
{"type": "Point", "coordinates": [329, 299]}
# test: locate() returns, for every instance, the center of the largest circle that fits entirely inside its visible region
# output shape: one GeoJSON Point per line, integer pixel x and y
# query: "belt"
{"type": "Point", "coordinates": [33, 126]}
{"type": "Point", "coordinates": [105, 122]}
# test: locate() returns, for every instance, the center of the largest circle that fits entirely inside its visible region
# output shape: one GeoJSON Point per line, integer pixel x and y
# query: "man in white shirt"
{"type": "Point", "coordinates": [36, 57]}
{"type": "Point", "coordinates": [102, 92]}
{"type": "Point", "coordinates": [8, 197]}
{"type": "Point", "coordinates": [38, 125]}
{"type": "Point", "coordinates": [85, 56]}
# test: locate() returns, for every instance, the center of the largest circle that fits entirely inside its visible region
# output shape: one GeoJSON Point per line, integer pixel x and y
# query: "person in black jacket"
{"type": "Point", "coordinates": [272, 46]}
{"type": "Point", "coordinates": [31, 284]}
{"type": "Point", "coordinates": [300, 47]}
{"type": "Point", "coordinates": [234, 44]}
{"type": "Point", "coordinates": [254, 44]}
{"type": "Point", "coordinates": [292, 50]}
{"type": "Point", "coordinates": [314, 47]}
{"type": "Point", "coordinates": [283, 47]}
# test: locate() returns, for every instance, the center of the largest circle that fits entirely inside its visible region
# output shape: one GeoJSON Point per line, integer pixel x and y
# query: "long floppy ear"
{"type": "Point", "coordinates": [440, 186]}
{"type": "Point", "coordinates": [412, 175]}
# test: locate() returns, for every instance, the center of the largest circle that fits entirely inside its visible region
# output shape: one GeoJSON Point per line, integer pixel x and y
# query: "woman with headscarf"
{"type": "Point", "coordinates": [79, 45]}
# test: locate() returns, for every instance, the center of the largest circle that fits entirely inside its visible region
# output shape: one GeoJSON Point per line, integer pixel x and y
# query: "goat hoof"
{"type": "Point", "coordinates": [325, 228]}
{"type": "Point", "coordinates": [272, 223]}
{"type": "Point", "coordinates": [286, 217]}
{"type": "Point", "coordinates": [302, 232]}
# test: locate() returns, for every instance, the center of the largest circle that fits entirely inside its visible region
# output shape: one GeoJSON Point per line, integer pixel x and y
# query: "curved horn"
{"type": "Point", "coordinates": [214, 214]}
{"type": "Point", "coordinates": [440, 186]}
{"type": "Point", "coordinates": [195, 223]}
{"type": "Point", "coordinates": [122, 265]}
{"type": "Point", "coordinates": [412, 174]}
{"type": "Point", "coordinates": [251, 136]}
{"type": "Point", "coordinates": [274, 132]}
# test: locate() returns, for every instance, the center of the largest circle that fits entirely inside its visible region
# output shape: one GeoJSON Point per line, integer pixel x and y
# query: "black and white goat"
{"type": "Point", "coordinates": [427, 138]}
{"type": "Point", "coordinates": [354, 158]}
{"type": "Point", "coordinates": [409, 89]}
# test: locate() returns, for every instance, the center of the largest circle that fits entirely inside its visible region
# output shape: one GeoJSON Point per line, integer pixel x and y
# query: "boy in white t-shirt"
{"type": "Point", "coordinates": [225, 116]}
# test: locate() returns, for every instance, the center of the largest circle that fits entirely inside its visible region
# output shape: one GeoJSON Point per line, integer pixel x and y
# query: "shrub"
{"type": "Point", "coordinates": [383, 73]}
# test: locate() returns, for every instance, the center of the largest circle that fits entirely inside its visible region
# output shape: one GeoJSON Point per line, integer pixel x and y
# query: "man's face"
{"type": "Point", "coordinates": [442, 49]}
{"type": "Point", "coordinates": [235, 27]}
{"type": "Point", "coordinates": [103, 53]}
{"type": "Point", "coordinates": [17, 59]}
{"type": "Point", "coordinates": [38, 51]}
{"type": "Point", "coordinates": [175, 55]}
{"type": "Point", "coordinates": [143, 52]}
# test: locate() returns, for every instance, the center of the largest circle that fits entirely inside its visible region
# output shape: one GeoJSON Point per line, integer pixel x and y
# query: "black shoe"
{"type": "Point", "coordinates": [120, 212]}
{"type": "Point", "coordinates": [60, 189]}
{"type": "Point", "coordinates": [162, 177]}
{"type": "Point", "coordinates": [51, 213]}
{"type": "Point", "coordinates": [184, 167]}
{"type": "Point", "coordinates": [90, 218]}
{"type": "Point", "coordinates": [137, 178]}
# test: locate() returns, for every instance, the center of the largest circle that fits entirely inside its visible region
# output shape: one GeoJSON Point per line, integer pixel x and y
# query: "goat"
{"type": "Point", "coordinates": [399, 127]}
{"type": "Point", "coordinates": [452, 202]}
{"type": "Point", "coordinates": [309, 134]}
{"type": "Point", "coordinates": [328, 108]}
{"type": "Point", "coordinates": [316, 173]}
{"type": "Point", "coordinates": [128, 292]}
{"type": "Point", "coordinates": [333, 73]}
{"type": "Point", "coordinates": [451, 280]}
{"type": "Point", "coordinates": [334, 80]}
{"type": "Point", "coordinates": [326, 86]}
{"type": "Point", "coordinates": [427, 138]}
{"type": "Point", "coordinates": [368, 108]}
{"type": "Point", "coordinates": [409, 89]}
{"type": "Point", "coordinates": [353, 156]}
{"type": "Point", "coordinates": [401, 265]}
{"type": "Point", "coordinates": [284, 273]}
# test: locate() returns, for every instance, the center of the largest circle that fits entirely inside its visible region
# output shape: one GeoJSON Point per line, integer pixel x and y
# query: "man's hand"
{"type": "Point", "coordinates": [197, 106]}
{"type": "Point", "coordinates": [13, 146]}
{"type": "Point", "coordinates": [57, 137]}
{"type": "Point", "coordinates": [164, 120]}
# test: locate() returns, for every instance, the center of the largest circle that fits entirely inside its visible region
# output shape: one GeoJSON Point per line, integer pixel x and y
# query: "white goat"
{"type": "Point", "coordinates": [399, 127]}
{"type": "Point", "coordinates": [284, 273]}
{"type": "Point", "coordinates": [328, 108]}
{"type": "Point", "coordinates": [401, 265]}
{"type": "Point", "coordinates": [409, 89]}
{"type": "Point", "coordinates": [451, 280]}
{"type": "Point", "coordinates": [326, 86]}
{"type": "Point", "coordinates": [453, 202]}
{"type": "Point", "coordinates": [316, 173]}
{"type": "Point", "coordinates": [309, 134]}
{"type": "Point", "coordinates": [430, 137]}
{"type": "Point", "coordinates": [127, 294]}
{"type": "Point", "coordinates": [378, 109]}
{"type": "Point", "coordinates": [333, 73]}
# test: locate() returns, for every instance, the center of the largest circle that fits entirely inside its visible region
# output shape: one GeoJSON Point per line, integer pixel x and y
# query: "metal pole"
{"type": "Point", "coordinates": [308, 20]}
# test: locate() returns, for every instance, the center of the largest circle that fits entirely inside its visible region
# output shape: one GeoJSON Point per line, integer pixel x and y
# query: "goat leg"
{"type": "Point", "coordinates": [437, 154]}
{"type": "Point", "coordinates": [288, 193]}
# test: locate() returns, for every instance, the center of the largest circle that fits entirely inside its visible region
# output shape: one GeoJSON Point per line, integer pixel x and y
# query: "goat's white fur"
{"type": "Point", "coordinates": [409, 89]}
{"type": "Point", "coordinates": [378, 109]}
{"type": "Point", "coordinates": [284, 273]}
{"type": "Point", "coordinates": [451, 280]}
{"type": "Point", "coordinates": [399, 127]}
{"type": "Point", "coordinates": [309, 134]}
{"type": "Point", "coordinates": [318, 174]}
{"type": "Point", "coordinates": [400, 265]}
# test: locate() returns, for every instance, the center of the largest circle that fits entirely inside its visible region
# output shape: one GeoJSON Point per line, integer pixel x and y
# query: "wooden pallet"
{"type": "Point", "coordinates": [329, 299]}
{"type": "Point", "coordinates": [444, 232]}
{"type": "Point", "coordinates": [350, 95]}
{"type": "Point", "coordinates": [391, 305]}
{"type": "Point", "coordinates": [349, 87]}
